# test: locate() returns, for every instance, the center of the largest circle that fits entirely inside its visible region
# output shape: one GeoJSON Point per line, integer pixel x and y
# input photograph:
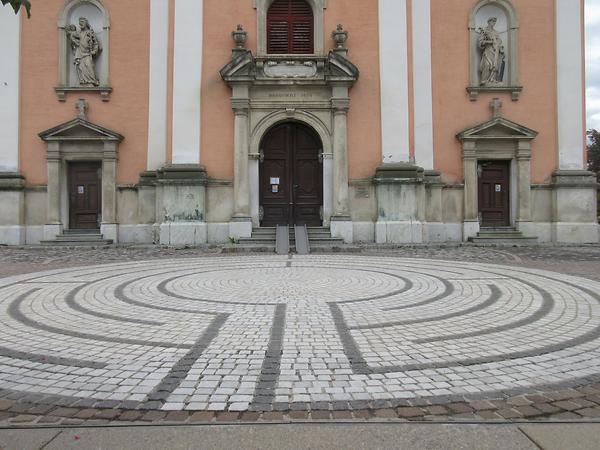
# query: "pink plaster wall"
{"type": "Point", "coordinates": [125, 113]}
{"type": "Point", "coordinates": [452, 110]}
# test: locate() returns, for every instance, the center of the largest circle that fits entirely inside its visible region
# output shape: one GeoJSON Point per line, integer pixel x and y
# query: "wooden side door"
{"type": "Point", "coordinates": [494, 193]}
{"type": "Point", "coordinates": [85, 195]}
{"type": "Point", "coordinates": [291, 177]}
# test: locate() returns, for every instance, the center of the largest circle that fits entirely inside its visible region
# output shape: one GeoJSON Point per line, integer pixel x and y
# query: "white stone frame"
{"type": "Point", "coordinates": [512, 84]}
{"type": "Point", "coordinates": [498, 139]}
{"type": "Point", "coordinates": [63, 48]}
{"type": "Point", "coordinates": [256, 137]}
{"type": "Point", "coordinates": [262, 7]}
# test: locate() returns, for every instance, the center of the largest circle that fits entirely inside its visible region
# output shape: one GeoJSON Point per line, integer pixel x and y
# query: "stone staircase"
{"type": "Point", "coordinates": [263, 239]}
{"type": "Point", "coordinates": [502, 236]}
{"type": "Point", "coordinates": [78, 238]}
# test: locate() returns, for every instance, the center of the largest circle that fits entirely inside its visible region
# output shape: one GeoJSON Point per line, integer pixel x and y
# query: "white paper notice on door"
{"type": "Point", "coordinates": [498, 188]}
{"type": "Point", "coordinates": [80, 190]}
{"type": "Point", "coordinates": [274, 180]}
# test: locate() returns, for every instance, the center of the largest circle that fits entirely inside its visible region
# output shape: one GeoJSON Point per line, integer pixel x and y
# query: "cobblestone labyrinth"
{"type": "Point", "coordinates": [270, 332]}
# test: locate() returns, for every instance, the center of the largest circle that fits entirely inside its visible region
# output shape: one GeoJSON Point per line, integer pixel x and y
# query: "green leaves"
{"type": "Point", "coordinates": [594, 151]}
{"type": "Point", "coordinates": [16, 5]}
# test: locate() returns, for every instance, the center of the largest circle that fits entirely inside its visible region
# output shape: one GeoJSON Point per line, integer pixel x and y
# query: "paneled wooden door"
{"type": "Point", "coordinates": [291, 176]}
{"type": "Point", "coordinates": [85, 195]}
{"type": "Point", "coordinates": [494, 193]}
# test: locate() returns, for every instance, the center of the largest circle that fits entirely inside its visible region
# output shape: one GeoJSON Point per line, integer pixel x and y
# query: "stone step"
{"type": "Point", "coordinates": [78, 243]}
{"type": "Point", "coordinates": [79, 237]}
{"type": "Point", "coordinates": [81, 231]}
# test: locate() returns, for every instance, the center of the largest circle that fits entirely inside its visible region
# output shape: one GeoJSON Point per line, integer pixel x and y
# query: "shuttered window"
{"type": "Point", "coordinates": [290, 27]}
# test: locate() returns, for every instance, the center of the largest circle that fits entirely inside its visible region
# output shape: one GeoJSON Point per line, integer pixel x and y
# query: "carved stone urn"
{"type": "Point", "coordinates": [239, 37]}
{"type": "Point", "coordinates": [340, 36]}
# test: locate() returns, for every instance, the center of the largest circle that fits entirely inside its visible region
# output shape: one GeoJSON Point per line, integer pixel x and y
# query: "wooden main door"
{"type": "Point", "coordinates": [85, 198]}
{"type": "Point", "coordinates": [494, 193]}
{"type": "Point", "coordinates": [291, 176]}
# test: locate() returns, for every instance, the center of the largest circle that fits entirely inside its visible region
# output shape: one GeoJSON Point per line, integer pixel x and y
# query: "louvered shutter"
{"type": "Point", "coordinates": [290, 27]}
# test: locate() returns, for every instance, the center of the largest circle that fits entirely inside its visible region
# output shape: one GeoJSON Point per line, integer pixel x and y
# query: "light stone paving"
{"type": "Point", "coordinates": [277, 332]}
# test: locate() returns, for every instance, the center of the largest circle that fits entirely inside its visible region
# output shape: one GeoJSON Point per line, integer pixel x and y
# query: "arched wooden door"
{"type": "Point", "coordinates": [291, 176]}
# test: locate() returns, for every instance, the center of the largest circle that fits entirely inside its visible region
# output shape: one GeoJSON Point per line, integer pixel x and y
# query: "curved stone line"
{"type": "Point", "coordinates": [14, 311]}
{"type": "Point", "coordinates": [47, 359]}
{"type": "Point", "coordinates": [493, 298]}
{"type": "Point", "coordinates": [448, 290]}
{"type": "Point", "coordinates": [120, 295]}
{"type": "Point", "coordinates": [547, 305]}
{"type": "Point", "coordinates": [163, 289]}
{"type": "Point", "coordinates": [72, 303]}
{"type": "Point", "coordinates": [360, 366]}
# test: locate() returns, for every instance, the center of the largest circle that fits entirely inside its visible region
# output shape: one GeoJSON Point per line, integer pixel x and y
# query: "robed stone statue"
{"type": "Point", "coordinates": [492, 66]}
{"type": "Point", "coordinates": [86, 48]}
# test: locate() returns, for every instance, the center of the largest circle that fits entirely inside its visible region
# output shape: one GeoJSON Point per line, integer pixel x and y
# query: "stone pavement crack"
{"type": "Point", "coordinates": [264, 394]}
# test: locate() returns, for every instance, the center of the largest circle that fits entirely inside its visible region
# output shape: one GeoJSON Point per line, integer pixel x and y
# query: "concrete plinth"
{"type": "Point", "coordinates": [240, 228]}
{"type": "Point", "coordinates": [400, 189]}
{"type": "Point", "coordinates": [12, 235]}
{"type": "Point", "coordinates": [398, 232]}
{"type": "Point", "coordinates": [183, 233]}
{"type": "Point", "coordinates": [110, 231]}
{"type": "Point", "coordinates": [470, 229]}
{"type": "Point", "coordinates": [574, 207]}
{"type": "Point", "coordinates": [52, 230]}
{"type": "Point", "coordinates": [342, 228]}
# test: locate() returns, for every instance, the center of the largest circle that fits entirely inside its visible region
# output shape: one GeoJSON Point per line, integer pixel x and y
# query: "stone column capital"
{"type": "Point", "coordinates": [340, 105]}
{"type": "Point", "coordinates": [240, 106]}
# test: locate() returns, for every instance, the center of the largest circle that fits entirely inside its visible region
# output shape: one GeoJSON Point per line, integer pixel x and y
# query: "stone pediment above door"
{"type": "Point", "coordinates": [300, 69]}
{"type": "Point", "coordinates": [498, 128]}
{"type": "Point", "coordinates": [80, 130]}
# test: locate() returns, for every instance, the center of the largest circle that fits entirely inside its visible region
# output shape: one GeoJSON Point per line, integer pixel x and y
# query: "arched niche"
{"type": "Point", "coordinates": [262, 7]}
{"type": "Point", "coordinates": [506, 27]}
{"type": "Point", "coordinates": [96, 14]}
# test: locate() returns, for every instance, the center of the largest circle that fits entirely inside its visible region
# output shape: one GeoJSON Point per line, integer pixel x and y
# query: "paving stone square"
{"type": "Point", "coordinates": [314, 333]}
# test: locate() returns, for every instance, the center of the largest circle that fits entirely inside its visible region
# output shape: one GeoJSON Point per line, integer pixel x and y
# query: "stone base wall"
{"type": "Point", "coordinates": [434, 219]}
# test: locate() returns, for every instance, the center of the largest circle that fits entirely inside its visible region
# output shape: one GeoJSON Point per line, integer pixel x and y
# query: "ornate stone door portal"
{"type": "Point", "coordinates": [291, 177]}
{"type": "Point", "coordinates": [312, 90]}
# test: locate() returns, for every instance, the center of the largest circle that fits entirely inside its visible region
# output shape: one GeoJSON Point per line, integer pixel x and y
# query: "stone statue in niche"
{"type": "Point", "coordinates": [86, 48]}
{"type": "Point", "coordinates": [493, 57]}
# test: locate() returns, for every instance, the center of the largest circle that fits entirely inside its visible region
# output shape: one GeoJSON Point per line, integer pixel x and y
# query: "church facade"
{"type": "Point", "coordinates": [183, 122]}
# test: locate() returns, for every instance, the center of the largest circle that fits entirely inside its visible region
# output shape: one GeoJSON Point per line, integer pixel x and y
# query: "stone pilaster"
{"type": "Point", "coordinates": [108, 226]}
{"type": "Point", "coordinates": [523, 159]}
{"type": "Point", "coordinates": [241, 222]}
{"type": "Point", "coordinates": [341, 223]}
{"type": "Point", "coordinates": [54, 225]}
{"type": "Point", "coordinates": [434, 229]}
{"type": "Point", "coordinates": [471, 217]}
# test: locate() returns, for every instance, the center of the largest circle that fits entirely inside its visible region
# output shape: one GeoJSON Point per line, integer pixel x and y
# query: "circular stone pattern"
{"type": "Point", "coordinates": [267, 332]}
